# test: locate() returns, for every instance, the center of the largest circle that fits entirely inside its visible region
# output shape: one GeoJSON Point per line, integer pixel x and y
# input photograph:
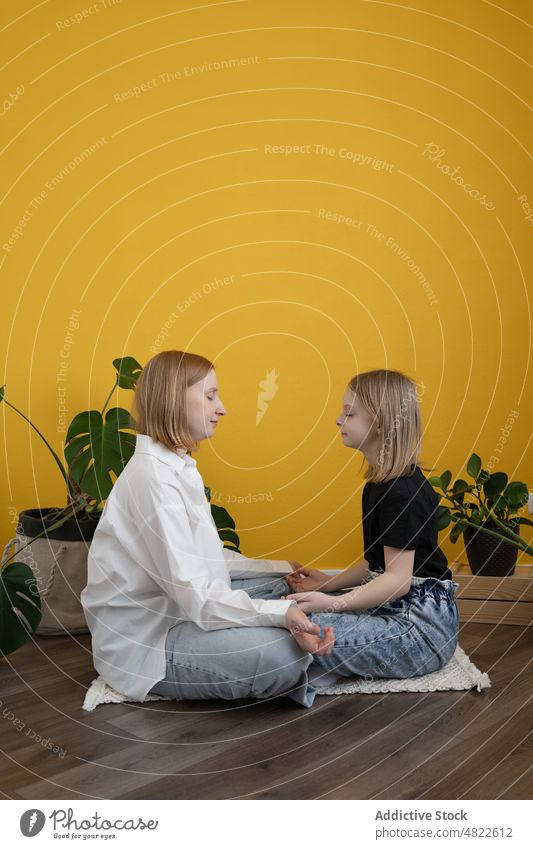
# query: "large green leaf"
{"type": "Point", "coordinates": [227, 535]}
{"type": "Point", "coordinates": [443, 518]}
{"type": "Point", "coordinates": [516, 493]}
{"type": "Point", "coordinates": [128, 371]}
{"type": "Point", "coordinates": [474, 466]}
{"type": "Point", "coordinates": [460, 487]}
{"type": "Point", "coordinates": [445, 479]}
{"type": "Point", "coordinates": [225, 526]}
{"type": "Point", "coordinates": [222, 517]}
{"type": "Point", "coordinates": [495, 484]}
{"type": "Point", "coordinates": [500, 505]}
{"type": "Point", "coordinates": [458, 529]}
{"type": "Point", "coordinates": [20, 606]}
{"type": "Point", "coordinates": [95, 447]}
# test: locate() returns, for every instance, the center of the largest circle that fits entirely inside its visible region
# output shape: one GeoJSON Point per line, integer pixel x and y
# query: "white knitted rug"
{"type": "Point", "coordinates": [458, 674]}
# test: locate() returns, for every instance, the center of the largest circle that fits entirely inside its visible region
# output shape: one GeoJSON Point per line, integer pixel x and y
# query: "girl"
{"type": "Point", "coordinates": [401, 618]}
{"type": "Point", "coordinates": [164, 614]}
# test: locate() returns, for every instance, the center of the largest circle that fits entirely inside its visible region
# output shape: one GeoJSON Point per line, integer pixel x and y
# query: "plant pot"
{"type": "Point", "coordinates": [489, 556]}
{"type": "Point", "coordinates": [33, 522]}
{"type": "Point", "coordinates": [58, 560]}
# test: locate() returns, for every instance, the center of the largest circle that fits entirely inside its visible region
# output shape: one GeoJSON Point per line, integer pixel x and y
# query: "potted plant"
{"type": "Point", "coordinates": [55, 540]}
{"type": "Point", "coordinates": [486, 512]}
{"type": "Point", "coordinates": [98, 445]}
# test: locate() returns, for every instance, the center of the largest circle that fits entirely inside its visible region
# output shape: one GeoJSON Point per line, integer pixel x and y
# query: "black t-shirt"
{"type": "Point", "coordinates": [402, 513]}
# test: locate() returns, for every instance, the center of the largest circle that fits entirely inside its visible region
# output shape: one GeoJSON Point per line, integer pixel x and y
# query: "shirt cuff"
{"type": "Point", "coordinates": [240, 566]}
{"type": "Point", "coordinates": [279, 610]}
{"type": "Point", "coordinates": [278, 567]}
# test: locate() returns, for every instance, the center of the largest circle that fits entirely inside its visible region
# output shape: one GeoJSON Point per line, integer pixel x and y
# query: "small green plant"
{"type": "Point", "coordinates": [491, 503]}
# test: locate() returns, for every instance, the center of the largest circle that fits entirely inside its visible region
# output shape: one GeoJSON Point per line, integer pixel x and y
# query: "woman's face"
{"type": "Point", "coordinates": [204, 407]}
{"type": "Point", "coordinates": [358, 428]}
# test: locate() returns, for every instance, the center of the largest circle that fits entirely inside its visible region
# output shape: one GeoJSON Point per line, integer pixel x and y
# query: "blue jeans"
{"type": "Point", "coordinates": [236, 663]}
{"type": "Point", "coordinates": [409, 636]}
{"type": "Point", "coordinates": [406, 637]}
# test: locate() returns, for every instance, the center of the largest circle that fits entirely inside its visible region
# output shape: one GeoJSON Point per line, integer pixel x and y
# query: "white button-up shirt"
{"type": "Point", "coordinates": [156, 559]}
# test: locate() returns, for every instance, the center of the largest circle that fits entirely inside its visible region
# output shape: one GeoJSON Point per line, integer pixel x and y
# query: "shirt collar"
{"type": "Point", "coordinates": [144, 444]}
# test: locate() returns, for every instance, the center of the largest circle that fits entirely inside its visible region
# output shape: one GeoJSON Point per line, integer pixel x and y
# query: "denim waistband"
{"type": "Point", "coordinates": [416, 581]}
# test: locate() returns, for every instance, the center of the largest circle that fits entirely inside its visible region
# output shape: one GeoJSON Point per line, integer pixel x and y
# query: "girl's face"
{"type": "Point", "coordinates": [204, 407]}
{"type": "Point", "coordinates": [358, 427]}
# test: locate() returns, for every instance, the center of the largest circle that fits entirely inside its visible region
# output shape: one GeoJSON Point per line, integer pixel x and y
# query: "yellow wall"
{"type": "Point", "coordinates": [185, 214]}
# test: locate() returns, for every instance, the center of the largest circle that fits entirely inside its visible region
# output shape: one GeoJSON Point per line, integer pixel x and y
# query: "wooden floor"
{"type": "Point", "coordinates": [450, 745]}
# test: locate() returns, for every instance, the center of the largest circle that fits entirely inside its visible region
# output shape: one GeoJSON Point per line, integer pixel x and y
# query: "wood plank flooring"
{"type": "Point", "coordinates": [456, 745]}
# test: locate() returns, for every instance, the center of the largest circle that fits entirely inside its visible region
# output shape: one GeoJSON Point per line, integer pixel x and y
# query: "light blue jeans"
{"type": "Point", "coordinates": [407, 637]}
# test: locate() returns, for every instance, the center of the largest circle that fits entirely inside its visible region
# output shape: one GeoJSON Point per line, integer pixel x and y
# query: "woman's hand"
{"type": "Point", "coordinates": [307, 633]}
{"type": "Point", "coordinates": [313, 602]}
{"type": "Point", "coordinates": [307, 580]}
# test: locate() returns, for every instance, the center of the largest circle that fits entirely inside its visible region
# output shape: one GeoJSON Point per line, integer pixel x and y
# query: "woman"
{"type": "Point", "coordinates": [159, 601]}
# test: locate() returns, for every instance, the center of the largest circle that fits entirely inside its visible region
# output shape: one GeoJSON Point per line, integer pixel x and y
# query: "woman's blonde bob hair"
{"type": "Point", "coordinates": [159, 408]}
{"type": "Point", "coordinates": [391, 400]}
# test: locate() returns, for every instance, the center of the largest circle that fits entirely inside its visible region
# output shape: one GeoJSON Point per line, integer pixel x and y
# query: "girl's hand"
{"type": "Point", "coordinates": [307, 580]}
{"type": "Point", "coordinates": [312, 602]}
{"type": "Point", "coordinates": [307, 633]}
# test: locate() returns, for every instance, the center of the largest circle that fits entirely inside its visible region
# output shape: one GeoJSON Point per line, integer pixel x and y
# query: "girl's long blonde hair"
{"type": "Point", "coordinates": [159, 407]}
{"type": "Point", "coordinates": [391, 399]}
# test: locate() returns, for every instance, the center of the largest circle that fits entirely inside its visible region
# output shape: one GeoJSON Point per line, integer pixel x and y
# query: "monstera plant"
{"type": "Point", "coordinates": [98, 445]}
